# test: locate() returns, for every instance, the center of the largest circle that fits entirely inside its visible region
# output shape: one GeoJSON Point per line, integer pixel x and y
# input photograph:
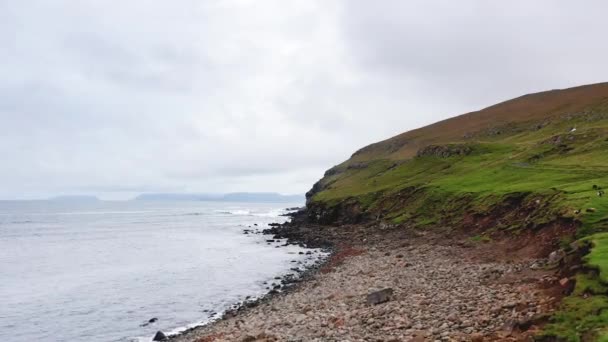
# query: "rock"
{"type": "Point", "coordinates": [444, 151]}
{"type": "Point", "coordinates": [556, 256]}
{"type": "Point", "coordinates": [568, 285]}
{"type": "Point", "coordinates": [418, 338]}
{"type": "Point", "coordinates": [150, 321]}
{"type": "Point", "coordinates": [476, 337]}
{"type": "Point", "coordinates": [509, 326]}
{"type": "Point", "coordinates": [525, 323]}
{"type": "Point", "coordinates": [537, 265]}
{"type": "Point", "coordinates": [379, 297]}
{"type": "Point", "coordinates": [160, 336]}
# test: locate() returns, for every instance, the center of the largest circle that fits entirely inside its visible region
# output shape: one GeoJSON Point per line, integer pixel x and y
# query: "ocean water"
{"type": "Point", "coordinates": [98, 271]}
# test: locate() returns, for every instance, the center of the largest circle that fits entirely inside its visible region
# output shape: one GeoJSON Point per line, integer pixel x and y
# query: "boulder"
{"type": "Point", "coordinates": [160, 336]}
{"type": "Point", "coordinates": [150, 321]}
{"type": "Point", "coordinates": [380, 297]}
{"type": "Point", "coordinates": [556, 256]}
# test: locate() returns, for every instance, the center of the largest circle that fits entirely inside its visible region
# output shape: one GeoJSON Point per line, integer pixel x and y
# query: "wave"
{"type": "Point", "coordinates": [242, 212]}
{"type": "Point", "coordinates": [239, 212]}
{"type": "Point", "coordinates": [272, 213]}
{"type": "Point", "coordinates": [21, 222]}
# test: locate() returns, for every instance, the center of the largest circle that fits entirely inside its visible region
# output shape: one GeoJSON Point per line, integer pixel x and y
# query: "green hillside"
{"type": "Point", "coordinates": [514, 168]}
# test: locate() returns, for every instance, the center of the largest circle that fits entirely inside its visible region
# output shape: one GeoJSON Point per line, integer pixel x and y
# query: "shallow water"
{"type": "Point", "coordinates": [98, 271]}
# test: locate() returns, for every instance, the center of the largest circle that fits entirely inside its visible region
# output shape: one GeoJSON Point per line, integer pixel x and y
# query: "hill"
{"type": "Point", "coordinates": [74, 198]}
{"type": "Point", "coordinates": [533, 167]}
{"type": "Point", "coordinates": [269, 197]}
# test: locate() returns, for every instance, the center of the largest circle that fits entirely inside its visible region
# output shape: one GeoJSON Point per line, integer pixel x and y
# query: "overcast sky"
{"type": "Point", "coordinates": [120, 97]}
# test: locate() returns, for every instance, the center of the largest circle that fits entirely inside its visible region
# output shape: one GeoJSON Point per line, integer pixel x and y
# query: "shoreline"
{"type": "Point", "coordinates": [240, 308]}
{"type": "Point", "coordinates": [327, 303]}
{"type": "Point", "coordinates": [287, 282]}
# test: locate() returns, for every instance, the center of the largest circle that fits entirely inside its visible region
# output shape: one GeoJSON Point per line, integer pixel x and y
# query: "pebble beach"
{"type": "Point", "coordinates": [400, 291]}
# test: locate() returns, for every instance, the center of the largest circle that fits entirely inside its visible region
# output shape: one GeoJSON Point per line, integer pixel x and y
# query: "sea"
{"type": "Point", "coordinates": [101, 270]}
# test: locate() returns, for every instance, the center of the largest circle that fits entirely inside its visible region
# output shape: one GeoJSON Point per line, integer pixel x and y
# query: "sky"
{"type": "Point", "coordinates": [116, 98]}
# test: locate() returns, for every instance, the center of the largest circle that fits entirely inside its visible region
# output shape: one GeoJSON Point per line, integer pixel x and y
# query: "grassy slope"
{"type": "Point", "coordinates": [522, 147]}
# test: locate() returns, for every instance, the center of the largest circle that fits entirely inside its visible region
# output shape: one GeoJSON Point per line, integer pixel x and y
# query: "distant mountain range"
{"type": "Point", "coordinates": [230, 197]}
{"type": "Point", "coordinates": [74, 198]}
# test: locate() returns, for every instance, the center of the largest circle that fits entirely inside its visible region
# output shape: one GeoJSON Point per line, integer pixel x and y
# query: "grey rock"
{"type": "Point", "coordinates": [379, 297]}
{"type": "Point", "coordinates": [556, 256]}
{"type": "Point", "coordinates": [160, 336]}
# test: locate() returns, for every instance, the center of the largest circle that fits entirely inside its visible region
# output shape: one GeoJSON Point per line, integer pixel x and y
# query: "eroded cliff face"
{"type": "Point", "coordinates": [345, 212]}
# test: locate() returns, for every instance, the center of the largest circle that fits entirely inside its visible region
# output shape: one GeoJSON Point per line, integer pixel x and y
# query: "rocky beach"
{"type": "Point", "coordinates": [488, 226]}
{"type": "Point", "coordinates": [398, 286]}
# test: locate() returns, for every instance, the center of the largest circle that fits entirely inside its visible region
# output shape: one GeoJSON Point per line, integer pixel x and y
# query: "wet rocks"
{"type": "Point", "coordinates": [150, 321]}
{"type": "Point", "coordinates": [160, 336]}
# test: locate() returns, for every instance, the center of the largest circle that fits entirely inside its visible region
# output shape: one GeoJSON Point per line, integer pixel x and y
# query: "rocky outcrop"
{"type": "Point", "coordinates": [316, 188]}
{"type": "Point", "coordinates": [444, 151]}
{"type": "Point", "coordinates": [348, 211]}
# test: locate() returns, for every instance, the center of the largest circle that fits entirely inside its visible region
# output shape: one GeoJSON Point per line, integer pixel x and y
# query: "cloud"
{"type": "Point", "coordinates": [239, 95]}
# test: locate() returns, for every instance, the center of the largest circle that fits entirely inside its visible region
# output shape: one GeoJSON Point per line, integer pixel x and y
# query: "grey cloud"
{"type": "Point", "coordinates": [237, 95]}
{"type": "Point", "coordinates": [510, 47]}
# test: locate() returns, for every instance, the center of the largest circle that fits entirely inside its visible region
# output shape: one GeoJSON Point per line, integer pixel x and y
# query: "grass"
{"type": "Point", "coordinates": [550, 172]}
{"type": "Point", "coordinates": [480, 238]}
{"type": "Point", "coordinates": [579, 315]}
{"type": "Point", "coordinates": [598, 257]}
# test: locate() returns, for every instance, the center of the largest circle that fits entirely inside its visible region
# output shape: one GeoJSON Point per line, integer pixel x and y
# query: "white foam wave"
{"type": "Point", "coordinates": [271, 213]}
{"type": "Point", "coordinates": [239, 212]}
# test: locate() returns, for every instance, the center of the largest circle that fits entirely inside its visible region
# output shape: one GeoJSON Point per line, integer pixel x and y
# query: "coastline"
{"type": "Point", "coordinates": [286, 283]}
{"type": "Point", "coordinates": [440, 289]}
